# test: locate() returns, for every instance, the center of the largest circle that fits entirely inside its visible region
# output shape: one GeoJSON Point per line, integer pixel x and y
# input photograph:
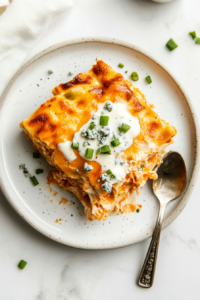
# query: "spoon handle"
{"type": "Point", "coordinates": [148, 270]}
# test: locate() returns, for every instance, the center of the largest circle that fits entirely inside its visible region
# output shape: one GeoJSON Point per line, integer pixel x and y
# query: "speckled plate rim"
{"type": "Point", "coordinates": [190, 184]}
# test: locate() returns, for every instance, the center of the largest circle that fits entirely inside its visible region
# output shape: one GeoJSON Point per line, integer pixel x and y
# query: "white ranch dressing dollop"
{"type": "Point", "coordinates": [117, 116]}
{"type": "Point", "coordinates": [67, 150]}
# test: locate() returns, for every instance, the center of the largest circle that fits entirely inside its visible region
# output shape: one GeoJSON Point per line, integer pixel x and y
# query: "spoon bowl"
{"type": "Point", "coordinates": [171, 179]}
{"type": "Point", "coordinates": [169, 185]}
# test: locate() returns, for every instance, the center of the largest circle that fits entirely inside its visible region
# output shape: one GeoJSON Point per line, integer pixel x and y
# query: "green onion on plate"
{"type": "Point", "coordinates": [34, 180]}
{"type": "Point", "coordinates": [36, 155]}
{"type": "Point", "coordinates": [193, 34]}
{"type": "Point", "coordinates": [22, 264]}
{"type": "Point", "coordinates": [197, 41]}
{"type": "Point", "coordinates": [39, 171]}
{"type": "Point", "coordinates": [148, 79]}
{"type": "Point", "coordinates": [134, 76]}
{"type": "Point", "coordinates": [171, 45]}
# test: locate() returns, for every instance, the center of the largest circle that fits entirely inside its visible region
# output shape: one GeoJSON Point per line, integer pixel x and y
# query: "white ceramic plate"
{"type": "Point", "coordinates": [39, 206]}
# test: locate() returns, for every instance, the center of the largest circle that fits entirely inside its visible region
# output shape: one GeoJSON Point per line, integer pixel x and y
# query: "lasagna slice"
{"type": "Point", "coordinates": [102, 138]}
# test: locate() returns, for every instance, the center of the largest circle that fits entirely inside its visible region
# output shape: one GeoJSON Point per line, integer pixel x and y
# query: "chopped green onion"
{"type": "Point", "coordinates": [126, 71]}
{"type": "Point", "coordinates": [25, 171]}
{"type": "Point", "coordinates": [148, 79]}
{"type": "Point", "coordinates": [124, 128]}
{"type": "Point", "coordinates": [115, 143]}
{"type": "Point", "coordinates": [75, 145]}
{"type": "Point", "coordinates": [193, 34]}
{"type": "Point", "coordinates": [109, 172]}
{"type": "Point", "coordinates": [104, 120]}
{"type": "Point", "coordinates": [36, 155]}
{"type": "Point", "coordinates": [34, 180]}
{"type": "Point", "coordinates": [134, 76]}
{"type": "Point", "coordinates": [92, 125]}
{"type": "Point", "coordinates": [39, 171]}
{"type": "Point", "coordinates": [120, 65]}
{"type": "Point", "coordinates": [171, 45]}
{"type": "Point", "coordinates": [104, 150]}
{"type": "Point", "coordinates": [197, 41]}
{"type": "Point", "coordinates": [89, 153]}
{"type": "Point", "coordinates": [137, 210]}
{"type": "Point", "coordinates": [22, 264]}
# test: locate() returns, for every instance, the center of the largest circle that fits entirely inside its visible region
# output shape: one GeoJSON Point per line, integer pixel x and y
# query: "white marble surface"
{"type": "Point", "coordinates": [56, 272]}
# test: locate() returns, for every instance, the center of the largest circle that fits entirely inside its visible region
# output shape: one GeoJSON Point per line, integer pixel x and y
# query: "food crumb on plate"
{"type": "Point", "coordinates": [63, 201]}
{"type": "Point", "coordinates": [58, 220]}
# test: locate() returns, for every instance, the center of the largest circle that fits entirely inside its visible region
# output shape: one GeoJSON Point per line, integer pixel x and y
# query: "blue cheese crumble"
{"type": "Point", "coordinates": [108, 106]}
{"type": "Point", "coordinates": [102, 140]}
{"type": "Point", "coordinates": [107, 186]}
{"type": "Point", "coordinates": [86, 143]}
{"type": "Point", "coordinates": [105, 177]}
{"type": "Point", "coordinates": [105, 131]}
{"type": "Point", "coordinates": [87, 168]}
{"type": "Point", "coordinates": [90, 134]}
{"type": "Point", "coordinates": [94, 117]}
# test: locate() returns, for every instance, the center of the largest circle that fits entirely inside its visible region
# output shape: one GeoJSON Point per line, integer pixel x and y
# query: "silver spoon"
{"type": "Point", "coordinates": [169, 185]}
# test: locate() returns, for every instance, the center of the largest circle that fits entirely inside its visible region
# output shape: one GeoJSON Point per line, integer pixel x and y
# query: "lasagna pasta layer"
{"type": "Point", "coordinates": [69, 109]}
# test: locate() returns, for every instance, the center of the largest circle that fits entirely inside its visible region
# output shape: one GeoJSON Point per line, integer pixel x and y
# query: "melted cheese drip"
{"type": "Point", "coordinates": [67, 150]}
